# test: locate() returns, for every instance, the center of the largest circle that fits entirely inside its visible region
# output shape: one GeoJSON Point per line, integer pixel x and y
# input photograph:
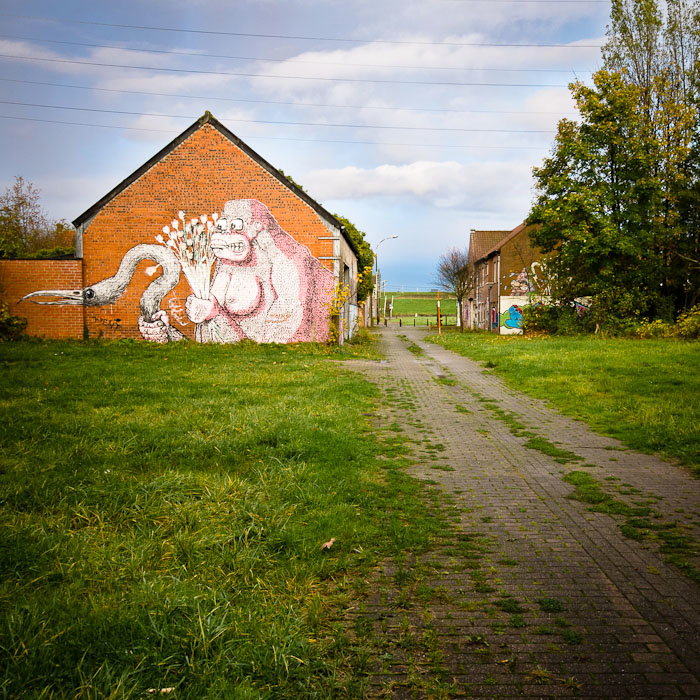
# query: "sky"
{"type": "Point", "coordinates": [421, 120]}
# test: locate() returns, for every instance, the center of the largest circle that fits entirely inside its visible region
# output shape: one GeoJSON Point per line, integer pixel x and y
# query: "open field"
{"type": "Point", "coordinates": [163, 510]}
{"type": "Point", "coordinates": [643, 392]}
{"type": "Point", "coordinates": [425, 304]}
{"type": "Point", "coordinates": [421, 303]}
{"type": "Point", "coordinates": [420, 308]}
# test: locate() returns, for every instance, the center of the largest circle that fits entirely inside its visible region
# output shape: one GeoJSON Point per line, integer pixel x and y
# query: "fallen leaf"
{"type": "Point", "coordinates": [327, 545]}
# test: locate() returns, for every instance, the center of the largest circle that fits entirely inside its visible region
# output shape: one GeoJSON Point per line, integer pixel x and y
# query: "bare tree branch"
{"type": "Point", "coordinates": [456, 275]}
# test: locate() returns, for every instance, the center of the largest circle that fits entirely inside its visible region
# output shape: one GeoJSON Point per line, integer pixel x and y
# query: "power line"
{"type": "Point", "coordinates": [277, 138]}
{"type": "Point", "coordinates": [99, 126]}
{"type": "Point", "coordinates": [537, 2]}
{"type": "Point", "coordinates": [211, 32]}
{"type": "Point", "coordinates": [288, 123]}
{"type": "Point", "coordinates": [194, 54]}
{"type": "Point", "coordinates": [279, 77]}
{"type": "Point", "coordinates": [275, 102]}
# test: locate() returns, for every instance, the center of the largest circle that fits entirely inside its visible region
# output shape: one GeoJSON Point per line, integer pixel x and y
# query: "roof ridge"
{"type": "Point", "coordinates": [209, 119]}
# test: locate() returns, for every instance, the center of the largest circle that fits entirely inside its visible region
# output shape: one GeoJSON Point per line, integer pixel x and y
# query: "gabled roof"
{"type": "Point", "coordinates": [480, 242]}
{"type": "Point", "coordinates": [208, 118]}
{"type": "Point", "coordinates": [513, 234]}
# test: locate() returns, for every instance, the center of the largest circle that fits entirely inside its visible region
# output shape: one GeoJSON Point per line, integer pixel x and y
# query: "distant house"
{"type": "Point", "coordinates": [483, 297]}
{"type": "Point", "coordinates": [507, 273]}
{"type": "Point", "coordinates": [207, 241]}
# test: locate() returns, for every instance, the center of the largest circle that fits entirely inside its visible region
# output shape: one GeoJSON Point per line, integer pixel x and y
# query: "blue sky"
{"type": "Point", "coordinates": [417, 119]}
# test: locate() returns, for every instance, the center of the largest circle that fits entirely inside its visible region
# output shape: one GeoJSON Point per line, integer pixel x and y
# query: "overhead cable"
{"type": "Point", "coordinates": [212, 32]}
{"type": "Point", "coordinates": [287, 123]}
{"type": "Point", "coordinates": [278, 77]}
{"type": "Point", "coordinates": [392, 108]}
{"type": "Point", "coordinates": [197, 54]}
{"type": "Point", "coordinates": [277, 138]}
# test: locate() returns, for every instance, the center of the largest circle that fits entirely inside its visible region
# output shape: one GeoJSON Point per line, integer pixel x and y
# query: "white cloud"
{"type": "Point", "coordinates": [441, 63]}
{"type": "Point", "coordinates": [24, 49]}
{"type": "Point", "coordinates": [487, 186]}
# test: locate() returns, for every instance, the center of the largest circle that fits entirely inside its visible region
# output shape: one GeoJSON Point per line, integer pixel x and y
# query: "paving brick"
{"type": "Point", "coordinates": [630, 622]}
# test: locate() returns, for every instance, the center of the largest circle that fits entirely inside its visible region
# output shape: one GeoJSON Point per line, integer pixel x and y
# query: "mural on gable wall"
{"type": "Point", "coordinates": [520, 284]}
{"type": "Point", "coordinates": [249, 279]}
{"type": "Point", "coordinates": [536, 279]}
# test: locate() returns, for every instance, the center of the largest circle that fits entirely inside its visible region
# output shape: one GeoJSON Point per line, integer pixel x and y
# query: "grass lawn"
{"type": "Point", "coordinates": [644, 392]}
{"type": "Point", "coordinates": [162, 515]}
{"type": "Point", "coordinates": [423, 304]}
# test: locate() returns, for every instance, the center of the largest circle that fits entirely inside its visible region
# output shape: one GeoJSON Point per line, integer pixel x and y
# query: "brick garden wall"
{"type": "Point", "coordinates": [20, 277]}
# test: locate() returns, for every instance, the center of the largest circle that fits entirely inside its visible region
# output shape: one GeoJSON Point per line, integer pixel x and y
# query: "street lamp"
{"type": "Point", "coordinates": [376, 270]}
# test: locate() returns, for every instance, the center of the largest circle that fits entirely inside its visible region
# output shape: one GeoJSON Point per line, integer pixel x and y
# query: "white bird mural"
{"type": "Point", "coordinates": [110, 289]}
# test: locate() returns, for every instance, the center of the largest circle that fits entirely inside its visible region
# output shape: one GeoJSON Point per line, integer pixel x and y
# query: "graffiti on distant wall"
{"type": "Point", "coordinates": [535, 280]}
{"type": "Point", "coordinates": [512, 317]}
{"type": "Point", "coordinates": [520, 284]}
{"type": "Point", "coordinates": [249, 279]}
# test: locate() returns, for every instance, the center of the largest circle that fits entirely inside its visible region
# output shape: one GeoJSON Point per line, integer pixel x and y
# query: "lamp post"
{"type": "Point", "coordinates": [376, 270]}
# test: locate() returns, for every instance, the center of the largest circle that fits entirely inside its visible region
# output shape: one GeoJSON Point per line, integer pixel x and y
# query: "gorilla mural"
{"type": "Point", "coordinates": [264, 286]}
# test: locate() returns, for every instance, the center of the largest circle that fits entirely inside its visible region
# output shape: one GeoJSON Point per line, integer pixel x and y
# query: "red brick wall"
{"type": "Point", "coordinates": [198, 177]}
{"type": "Point", "coordinates": [20, 277]}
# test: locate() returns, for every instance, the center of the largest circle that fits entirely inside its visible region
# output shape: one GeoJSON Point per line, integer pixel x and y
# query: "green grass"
{"type": "Point", "coordinates": [550, 605]}
{"type": "Point", "coordinates": [421, 303]}
{"type": "Point", "coordinates": [445, 381]}
{"type": "Point", "coordinates": [643, 392]}
{"type": "Point", "coordinates": [412, 347]}
{"type": "Point", "coordinates": [546, 447]}
{"type": "Point", "coordinates": [642, 523]}
{"type": "Point", "coordinates": [162, 510]}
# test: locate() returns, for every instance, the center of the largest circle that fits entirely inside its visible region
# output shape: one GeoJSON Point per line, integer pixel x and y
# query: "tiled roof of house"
{"type": "Point", "coordinates": [509, 237]}
{"type": "Point", "coordinates": [482, 242]}
{"type": "Point", "coordinates": [484, 251]}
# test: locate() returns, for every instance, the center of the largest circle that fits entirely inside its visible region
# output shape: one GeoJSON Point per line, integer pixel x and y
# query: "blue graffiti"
{"type": "Point", "coordinates": [513, 317]}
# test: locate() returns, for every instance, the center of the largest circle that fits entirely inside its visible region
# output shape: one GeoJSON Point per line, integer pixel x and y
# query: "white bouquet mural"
{"type": "Point", "coordinates": [191, 243]}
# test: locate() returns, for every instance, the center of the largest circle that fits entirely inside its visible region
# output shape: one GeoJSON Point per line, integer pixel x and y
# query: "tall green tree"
{"type": "Point", "coordinates": [614, 200]}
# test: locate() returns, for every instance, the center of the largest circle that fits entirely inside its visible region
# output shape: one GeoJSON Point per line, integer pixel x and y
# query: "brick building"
{"type": "Point", "coordinates": [507, 273]}
{"type": "Point", "coordinates": [483, 297]}
{"type": "Point", "coordinates": [142, 267]}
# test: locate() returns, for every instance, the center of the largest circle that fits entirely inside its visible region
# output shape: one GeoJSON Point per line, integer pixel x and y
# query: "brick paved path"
{"type": "Point", "coordinates": [535, 596]}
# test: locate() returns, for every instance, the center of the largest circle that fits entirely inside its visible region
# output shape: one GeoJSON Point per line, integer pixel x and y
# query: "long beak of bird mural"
{"type": "Point", "coordinates": [109, 290]}
{"type": "Point", "coordinates": [64, 297]}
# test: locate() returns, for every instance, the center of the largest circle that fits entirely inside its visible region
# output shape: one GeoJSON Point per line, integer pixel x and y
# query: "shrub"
{"type": "Point", "coordinates": [539, 318]}
{"type": "Point", "coordinates": [560, 320]}
{"type": "Point", "coordinates": [11, 327]}
{"type": "Point", "coordinates": [654, 329]}
{"type": "Point", "coordinates": [688, 325]}
{"type": "Point", "coordinates": [52, 253]}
